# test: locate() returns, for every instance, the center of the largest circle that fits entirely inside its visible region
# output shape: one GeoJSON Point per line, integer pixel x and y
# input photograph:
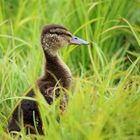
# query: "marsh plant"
{"type": "Point", "coordinates": [106, 99]}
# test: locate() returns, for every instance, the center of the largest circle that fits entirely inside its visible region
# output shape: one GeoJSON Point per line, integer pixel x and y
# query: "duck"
{"type": "Point", "coordinates": [53, 38]}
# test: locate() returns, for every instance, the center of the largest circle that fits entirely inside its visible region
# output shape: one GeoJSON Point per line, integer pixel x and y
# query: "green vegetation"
{"type": "Point", "coordinates": [105, 104]}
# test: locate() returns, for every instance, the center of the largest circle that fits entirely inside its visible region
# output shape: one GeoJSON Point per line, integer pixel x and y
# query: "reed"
{"type": "Point", "coordinates": [106, 100]}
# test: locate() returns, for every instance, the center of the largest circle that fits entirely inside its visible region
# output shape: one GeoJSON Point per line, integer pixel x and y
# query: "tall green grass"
{"type": "Point", "coordinates": [105, 104]}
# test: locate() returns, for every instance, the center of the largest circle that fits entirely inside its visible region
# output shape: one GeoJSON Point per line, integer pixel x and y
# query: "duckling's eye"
{"type": "Point", "coordinates": [61, 33]}
{"type": "Point", "coordinates": [69, 35]}
{"type": "Point", "coordinates": [58, 33]}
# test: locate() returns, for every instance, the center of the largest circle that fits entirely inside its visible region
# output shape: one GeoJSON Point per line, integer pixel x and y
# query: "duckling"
{"type": "Point", "coordinates": [53, 38]}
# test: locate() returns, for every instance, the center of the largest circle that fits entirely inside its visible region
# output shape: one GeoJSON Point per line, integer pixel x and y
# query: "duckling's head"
{"type": "Point", "coordinates": [55, 36]}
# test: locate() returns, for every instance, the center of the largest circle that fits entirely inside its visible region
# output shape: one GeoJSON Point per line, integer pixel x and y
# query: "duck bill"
{"type": "Point", "coordinates": [77, 41]}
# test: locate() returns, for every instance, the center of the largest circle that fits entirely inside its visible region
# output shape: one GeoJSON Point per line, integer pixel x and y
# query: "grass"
{"type": "Point", "coordinates": [105, 104]}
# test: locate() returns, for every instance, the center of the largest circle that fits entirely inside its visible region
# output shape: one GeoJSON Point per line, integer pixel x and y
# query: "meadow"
{"type": "Point", "coordinates": [105, 104]}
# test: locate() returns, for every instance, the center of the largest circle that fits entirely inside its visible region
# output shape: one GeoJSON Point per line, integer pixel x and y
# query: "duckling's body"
{"type": "Point", "coordinates": [53, 37]}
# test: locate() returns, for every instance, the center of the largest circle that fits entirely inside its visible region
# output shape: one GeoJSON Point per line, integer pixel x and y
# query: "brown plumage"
{"type": "Point", "coordinates": [53, 38]}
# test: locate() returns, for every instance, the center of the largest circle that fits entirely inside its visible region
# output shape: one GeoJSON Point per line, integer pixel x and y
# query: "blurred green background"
{"type": "Point", "coordinates": [107, 73]}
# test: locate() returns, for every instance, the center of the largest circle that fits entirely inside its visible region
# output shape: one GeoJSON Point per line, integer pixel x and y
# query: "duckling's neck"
{"type": "Point", "coordinates": [56, 68]}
